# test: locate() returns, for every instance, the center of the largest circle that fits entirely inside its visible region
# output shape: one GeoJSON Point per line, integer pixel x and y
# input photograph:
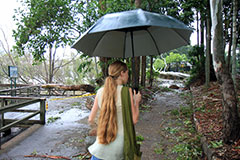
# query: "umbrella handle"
{"type": "Point", "coordinates": [136, 89]}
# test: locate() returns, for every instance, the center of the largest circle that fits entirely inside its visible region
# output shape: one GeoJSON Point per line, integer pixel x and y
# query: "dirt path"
{"type": "Point", "coordinates": [158, 126]}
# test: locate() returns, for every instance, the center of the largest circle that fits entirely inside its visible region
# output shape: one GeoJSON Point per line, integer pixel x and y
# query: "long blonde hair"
{"type": "Point", "coordinates": [107, 123]}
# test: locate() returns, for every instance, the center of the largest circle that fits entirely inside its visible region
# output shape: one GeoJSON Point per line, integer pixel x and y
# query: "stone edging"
{"type": "Point", "coordinates": [14, 141]}
{"type": "Point", "coordinates": [207, 151]}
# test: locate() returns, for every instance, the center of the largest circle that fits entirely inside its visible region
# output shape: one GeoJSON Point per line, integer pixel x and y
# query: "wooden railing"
{"type": "Point", "coordinates": [23, 91]}
{"type": "Point", "coordinates": [13, 104]}
{"type": "Point", "coordinates": [45, 90]}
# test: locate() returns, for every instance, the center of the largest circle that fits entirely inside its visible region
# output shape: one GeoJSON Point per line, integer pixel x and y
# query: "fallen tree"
{"type": "Point", "coordinates": [82, 87]}
{"type": "Point", "coordinates": [173, 75]}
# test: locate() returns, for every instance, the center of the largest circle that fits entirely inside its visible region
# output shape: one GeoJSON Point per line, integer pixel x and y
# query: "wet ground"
{"type": "Point", "coordinates": [64, 133]}
{"type": "Point", "coordinates": [66, 128]}
{"type": "Point", "coordinates": [156, 145]}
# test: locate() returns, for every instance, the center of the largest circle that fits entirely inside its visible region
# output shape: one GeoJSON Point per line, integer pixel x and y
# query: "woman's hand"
{"type": "Point", "coordinates": [137, 97]}
{"type": "Point", "coordinates": [135, 100]}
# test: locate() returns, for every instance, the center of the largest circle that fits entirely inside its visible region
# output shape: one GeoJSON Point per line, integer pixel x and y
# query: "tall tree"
{"type": "Point", "coordinates": [234, 42]}
{"type": "Point", "coordinates": [43, 27]}
{"type": "Point", "coordinates": [136, 60]}
{"type": "Point", "coordinates": [143, 75]}
{"type": "Point", "coordinates": [7, 51]}
{"type": "Point", "coordinates": [208, 45]}
{"type": "Point", "coordinates": [231, 120]}
{"type": "Point", "coordinates": [151, 71]}
{"type": "Point", "coordinates": [143, 58]}
{"type": "Point", "coordinates": [103, 60]}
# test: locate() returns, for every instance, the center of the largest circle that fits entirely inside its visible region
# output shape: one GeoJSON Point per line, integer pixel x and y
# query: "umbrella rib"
{"type": "Point", "coordinates": [99, 41]}
{"type": "Point", "coordinates": [132, 43]}
{"type": "Point", "coordinates": [124, 44]}
{"type": "Point", "coordinates": [153, 41]}
{"type": "Point", "coordinates": [181, 36]}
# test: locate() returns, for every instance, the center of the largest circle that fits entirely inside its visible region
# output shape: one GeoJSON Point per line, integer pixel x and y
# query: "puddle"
{"type": "Point", "coordinates": [67, 118]}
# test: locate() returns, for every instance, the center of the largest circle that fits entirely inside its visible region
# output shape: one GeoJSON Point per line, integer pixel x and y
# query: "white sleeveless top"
{"type": "Point", "coordinates": [113, 150]}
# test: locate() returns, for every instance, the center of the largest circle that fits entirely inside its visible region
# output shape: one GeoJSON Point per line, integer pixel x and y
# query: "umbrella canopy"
{"type": "Point", "coordinates": [133, 33]}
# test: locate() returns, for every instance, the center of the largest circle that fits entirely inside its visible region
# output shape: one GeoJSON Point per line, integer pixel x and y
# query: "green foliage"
{"type": "Point", "coordinates": [145, 108]}
{"type": "Point", "coordinates": [175, 112]}
{"type": "Point", "coordinates": [172, 130]}
{"type": "Point", "coordinates": [188, 150]}
{"type": "Point", "coordinates": [188, 142]}
{"type": "Point", "coordinates": [186, 111]}
{"type": "Point", "coordinates": [198, 64]}
{"type": "Point", "coordinates": [159, 149]}
{"type": "Point", "coordinates": [112, 6]}
{"type": "Point", "coordinates": [216, 144]}
{"type": "Point", "coordinates": [43, 25]}
{"type": "Point", "coordinates": [85, 66]}
{"type": "Point", "coordinates": [175, 60]}
{"type": "Point", "coordinates": [89, 12]}
{"type": "Point", "coordinates": [159, 64]}
{"type": "Point", "coordinates": [52, 119]}
{"type": "Point", "coordinates": [139, 139]}
{"type": "Point", "coordinates": [181, 10]}
{"type": "Point", "coordinates": [154, 74]}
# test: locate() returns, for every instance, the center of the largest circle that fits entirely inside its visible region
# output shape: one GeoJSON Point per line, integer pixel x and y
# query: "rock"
{"type": "Point", "coordinates": [93, 132]}
{"type": "Point", "coordinates": [174, 87]}
{"type": "Point", "coordinates": [89, 103]}
{"type": "Point", "coordinates": [89, 141]}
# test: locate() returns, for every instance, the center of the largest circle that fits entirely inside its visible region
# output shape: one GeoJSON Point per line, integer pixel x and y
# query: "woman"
{"type": "Point", "coordinates": [110, 134]}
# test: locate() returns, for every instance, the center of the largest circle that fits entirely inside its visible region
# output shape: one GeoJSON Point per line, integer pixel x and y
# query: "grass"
{"type": "Point", "coordinates": [183, 140]}
{"type": "Point", "coordinates": [139, 139]}
{"type": "Point", "coordinates": [52, 119]}
{"type": "Point", "coordinates": [165, 89]}
{"type": "Point", "coordinates": [216, 144]}
{"type": "Point", "coordinates": [145, 108]}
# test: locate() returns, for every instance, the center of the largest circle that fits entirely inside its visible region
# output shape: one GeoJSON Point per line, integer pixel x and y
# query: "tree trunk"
{"type": "Point", "coordinates": [234, 42]}
{"type": "Point", "coordinates": [208, 46]}
{"type": "Point", "coordinates": [136, 69]}
{"type": "Point", "coordinates": [104, 66]}
{"type": "Point", "coordinates": [151, 72]}
{"type": "Point", "coordinates": [138, 3]}
{"type": "Point", "coordinates": [197, 28]}
{"type": "Point", "coordinates": [50, 65]}
{"type": "Point", "coordinates": [103, 60]}
{"type": "Point", "coordinates": [202, 30]}
{"type": "Point", "coordinates": [143, 78]}
{"type": "Point", "coordinates": [229, 52]}
{"type": "Point", "coordinates": [227, 21]}
{"type": "Point", "coordinates": [231, 126]}
{"type": "Point", "coordinates": [8, 52]}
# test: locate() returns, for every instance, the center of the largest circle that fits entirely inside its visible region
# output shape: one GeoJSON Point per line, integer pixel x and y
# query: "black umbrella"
{"type": "Point", "coordinates": [133, 33]}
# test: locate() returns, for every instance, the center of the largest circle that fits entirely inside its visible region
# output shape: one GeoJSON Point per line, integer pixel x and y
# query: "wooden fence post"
{"type": "Point", "coordinates": [42, 111]}
{"type": "Point", "coordinates": [39, 91]}
{"type": "Point", "coordinates": [2, 114]}
{"type": "Point", "coordinates": [1, 121]}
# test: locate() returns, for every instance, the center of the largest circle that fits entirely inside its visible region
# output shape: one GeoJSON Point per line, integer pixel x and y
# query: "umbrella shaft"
{"type": "Point", "coordinates": [133, 63]}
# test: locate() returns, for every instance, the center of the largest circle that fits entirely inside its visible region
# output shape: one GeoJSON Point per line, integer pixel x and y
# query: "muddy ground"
{"type": "Point", "coordinates": [66, 129]}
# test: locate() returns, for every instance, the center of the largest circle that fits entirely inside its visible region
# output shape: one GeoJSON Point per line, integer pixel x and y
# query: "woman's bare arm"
{"type": "Point", "coordinates": [135, 105]}
{"type": "Point", "coordinates": [93, 113]}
